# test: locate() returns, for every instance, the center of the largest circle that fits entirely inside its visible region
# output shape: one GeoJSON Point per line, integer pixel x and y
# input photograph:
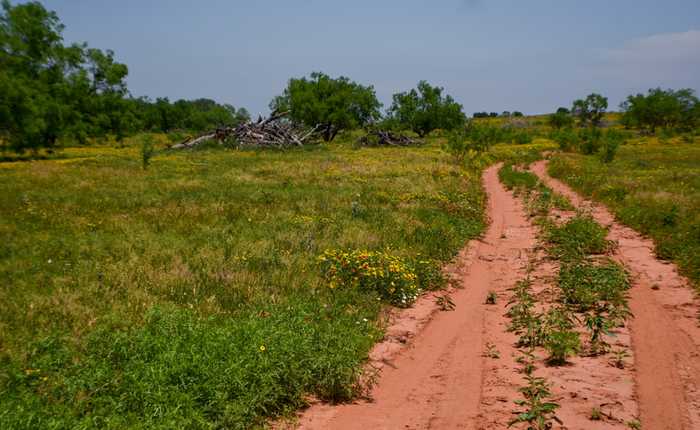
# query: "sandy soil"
{"type": "Point", "coordinates": [458, 370]}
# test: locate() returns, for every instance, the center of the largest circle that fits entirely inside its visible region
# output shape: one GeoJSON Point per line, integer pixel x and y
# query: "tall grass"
{"type": "Point", "coordinates": [190, 294]}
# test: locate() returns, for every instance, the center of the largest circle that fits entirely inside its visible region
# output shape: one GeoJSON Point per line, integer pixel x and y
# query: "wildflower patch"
{"type": "Point", "coordinates": [395, 279]}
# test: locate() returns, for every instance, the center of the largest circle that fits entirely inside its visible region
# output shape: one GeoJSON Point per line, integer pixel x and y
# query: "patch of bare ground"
{"type": "Point", "coordinates": [665, 333]}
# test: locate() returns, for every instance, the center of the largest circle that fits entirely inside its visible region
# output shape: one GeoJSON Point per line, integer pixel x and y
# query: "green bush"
{"type": "Point", "coordinates": [147, 150]}
{"type": "Point", "coordinates": [584, 284]}
{"type": "Point", "coordinates": [578, 237]}
{"type": "Point", "coordinates": [561, 345]}
{"type": "Point", "coordinates": [566, 138]}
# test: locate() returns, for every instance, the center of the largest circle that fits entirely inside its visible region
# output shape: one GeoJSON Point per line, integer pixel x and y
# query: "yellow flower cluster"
{"type": "Point", "coordinates": [387, 274]}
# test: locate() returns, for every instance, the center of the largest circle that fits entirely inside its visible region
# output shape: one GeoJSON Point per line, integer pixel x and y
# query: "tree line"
{"type": "Point", "coordinates": [50, 91]}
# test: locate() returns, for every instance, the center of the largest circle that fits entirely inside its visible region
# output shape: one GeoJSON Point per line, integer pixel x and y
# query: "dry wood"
{"type": "Point", "coordinates": [380, 138]}
{"type": "Point", "coordinates": [265, 132]}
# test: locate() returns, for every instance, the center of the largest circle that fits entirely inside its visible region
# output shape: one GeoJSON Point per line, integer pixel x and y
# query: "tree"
{"type": "Point", "coordinates": [55, 90]}
{"type": "Point", "coordinates": [561, 119]}
{"type": "Point", "coordinates": [662, 108]}
{"type": "Point", "coordinates": [590, 110]}
{"type": "Point", "coordinates": [332, 104]}
{"type": "Point", "coordinates": [426, 109]}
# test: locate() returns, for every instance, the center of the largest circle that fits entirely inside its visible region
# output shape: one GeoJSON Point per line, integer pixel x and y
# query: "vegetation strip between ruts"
{"type": "Point", "coordinates": [592, 290]}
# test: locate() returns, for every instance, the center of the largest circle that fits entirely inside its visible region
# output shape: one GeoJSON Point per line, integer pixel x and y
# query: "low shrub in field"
{"type": "Point", "coordinates": [567, 139]}
{"type": "Point", "coordinates": [584, 284]}
{"type": "Point", "coordinates": [394, 279]}
{"type": "Point", "coordinates": [577, 237]}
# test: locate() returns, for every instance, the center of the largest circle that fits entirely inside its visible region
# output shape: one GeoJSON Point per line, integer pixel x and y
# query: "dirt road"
{"type": "Point", "coordinates": [457, 369]}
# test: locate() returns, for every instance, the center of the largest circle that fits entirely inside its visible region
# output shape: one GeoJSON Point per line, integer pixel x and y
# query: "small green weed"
{"type": "Point", "coordinates": [539, 411]}
{"type": "Point", "coordinates": [561, 344]}
{"type": "Point", "coordinates": [491, 298]}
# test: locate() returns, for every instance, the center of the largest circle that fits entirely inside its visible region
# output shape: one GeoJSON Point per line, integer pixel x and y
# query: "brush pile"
{"type": "Point", "coordinates": [376, 137]}
{"type": "Point", "coordinates": [269, 132]}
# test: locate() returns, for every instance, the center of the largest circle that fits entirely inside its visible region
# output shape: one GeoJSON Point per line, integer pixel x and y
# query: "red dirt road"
{"type": "Point", "coordinates": [665, 332]}
{"type": "Point", "coordinates": [457, 369]}
{"type": "Point", "coordinates": [436, 381]}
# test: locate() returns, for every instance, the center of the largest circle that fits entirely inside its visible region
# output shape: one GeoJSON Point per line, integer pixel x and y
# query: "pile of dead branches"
{"type": "Point", "coordinates": [270, 132]}
{"type": "Point", "coordinates": [377, 137]}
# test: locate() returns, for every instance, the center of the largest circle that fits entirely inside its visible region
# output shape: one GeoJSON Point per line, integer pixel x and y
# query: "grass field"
{"type": "Point", "coordinates": [652, 187]}
{"type": "Point", "coordinates": [190, 294]}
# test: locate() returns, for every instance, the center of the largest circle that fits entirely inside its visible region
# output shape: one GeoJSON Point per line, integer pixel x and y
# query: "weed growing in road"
{"type": "Point", "coordinates": [538, 410]}
{"type": "Point", "coordinates": [491, 351]}
{"type": "Point", "coordinates": [561, 345]}
{"type": "Point", "coordinates": [491, 298]}
{"type": "Point", "coordinates": [618, 358]}
{"type": "Point", "coordinates": [445, 302]}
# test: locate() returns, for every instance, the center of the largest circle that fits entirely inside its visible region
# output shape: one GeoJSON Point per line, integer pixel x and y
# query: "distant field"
{"type": "Point", "coordinates": [653, 187]}
{"type": "Point", "coordinates": [190, 294]}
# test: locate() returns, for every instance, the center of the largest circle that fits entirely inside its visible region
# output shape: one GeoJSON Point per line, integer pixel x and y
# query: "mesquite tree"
{"type": "Point", "coordinates": [426, 109]}
{"type": "Point", "coordinates": [331, 104]}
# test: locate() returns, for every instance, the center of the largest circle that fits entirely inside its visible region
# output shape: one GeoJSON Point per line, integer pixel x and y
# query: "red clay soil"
{"type": "Point", "coordinates": [665, 331]}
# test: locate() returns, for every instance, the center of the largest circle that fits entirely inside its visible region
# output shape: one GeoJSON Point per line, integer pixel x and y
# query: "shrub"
{"type": "Point", "coordinates": [611, 142]}
{"type": "Point", "coordinates": [579, 236]}
{"type": "Point", "coordinates": [561, 345]}
{"type": "Point", "coordinates": [567, 139]}
{"type": "Point", "coordinates": [147, 150]}
{"type": "Point", "coordinates": [584, 284]}
{"type": "Point", "coordinates": [590, 141]}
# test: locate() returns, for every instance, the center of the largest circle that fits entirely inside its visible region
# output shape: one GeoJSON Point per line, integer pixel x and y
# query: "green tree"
{"type": "Point", "coordinates": [426, 109]}
{"type": "Point", "coordinates": [52, 90]}
{"type": "Point", "coordinates": [662, 109]}
{"type": "Point", "coordinates": [590, 111]}
{"type": "Point", "coordinates": [332, 104]}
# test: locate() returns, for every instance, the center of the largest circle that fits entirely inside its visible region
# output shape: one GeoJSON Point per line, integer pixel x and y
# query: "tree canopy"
{"type": "Point", "coordinates": [51, 91]}
{"type": "Point", "coordinates": [332, 104]}
{"type": "Point", "coordinates": [426, 109]}
{"type": "Point", "coordinates": [662, 108]}
{"type": "Point", "coordinates": [590, 111]}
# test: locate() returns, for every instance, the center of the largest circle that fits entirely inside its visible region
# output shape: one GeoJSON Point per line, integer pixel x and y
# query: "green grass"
{"type": "Point", "coordinates": [654, 188]}
{"type": "Point", "coordinates": [190, 294]}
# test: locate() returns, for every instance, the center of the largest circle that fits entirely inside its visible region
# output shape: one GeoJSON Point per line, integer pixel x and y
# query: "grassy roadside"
{"type": "Point", "coordinates": [191, 294]}
{"type": "Point", "coordinates": [653, 188]}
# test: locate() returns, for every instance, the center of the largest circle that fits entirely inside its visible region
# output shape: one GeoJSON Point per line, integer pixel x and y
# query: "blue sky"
{"type": "Point", "coordinates": [492, 55]}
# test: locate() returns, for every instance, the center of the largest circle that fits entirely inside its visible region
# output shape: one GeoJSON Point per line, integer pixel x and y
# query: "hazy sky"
{"type": "Point", "coordinates": [490, 55]}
